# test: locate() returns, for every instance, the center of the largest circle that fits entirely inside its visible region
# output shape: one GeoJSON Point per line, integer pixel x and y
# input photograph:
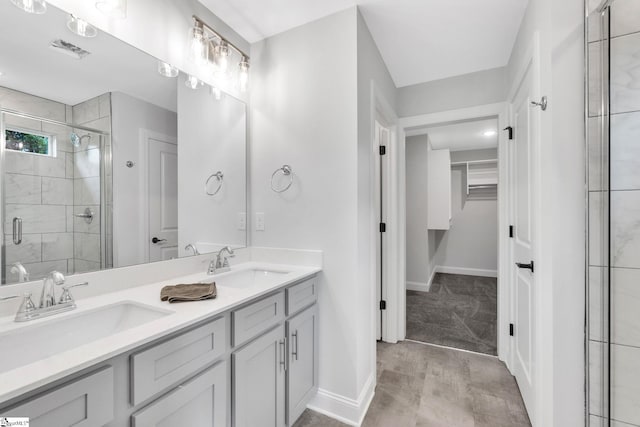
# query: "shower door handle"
{"type": "Point", "coordinates": [17, 230]}
{"type": "Point", "coordinates": [527, 266]}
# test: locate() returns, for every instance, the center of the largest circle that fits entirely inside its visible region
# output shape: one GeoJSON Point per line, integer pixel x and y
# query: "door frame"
{"type": "Point", "coordinates": [143, 163]}
{"type": "Point", "coordinates": [382, 112]}
{"type": "Point", "coordinates": [499, 111]}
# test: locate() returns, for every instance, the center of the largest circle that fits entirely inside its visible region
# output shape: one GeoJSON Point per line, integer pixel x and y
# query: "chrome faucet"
{"type": "Point", "coordinates": [221, 263]}
{"type": "Point", "coordinates": [48, 295]}
{"type": "Point", "coordinates": [23, 274]}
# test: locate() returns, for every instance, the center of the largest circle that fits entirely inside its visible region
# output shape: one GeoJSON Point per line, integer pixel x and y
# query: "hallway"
{"type": "Point", "coordinates": [422, 385]}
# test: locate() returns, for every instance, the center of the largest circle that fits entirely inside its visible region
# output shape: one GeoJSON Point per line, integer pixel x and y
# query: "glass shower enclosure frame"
{"type": "Point", "coordinates": [612, 113]}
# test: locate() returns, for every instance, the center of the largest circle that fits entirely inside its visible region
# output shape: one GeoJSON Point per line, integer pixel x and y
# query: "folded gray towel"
{"type": "Point", "coordinates": [188, 292]}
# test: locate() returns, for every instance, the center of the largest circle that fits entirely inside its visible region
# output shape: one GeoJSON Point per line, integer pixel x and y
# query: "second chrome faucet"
{"type": "Point", "coordinates": [221, 263]}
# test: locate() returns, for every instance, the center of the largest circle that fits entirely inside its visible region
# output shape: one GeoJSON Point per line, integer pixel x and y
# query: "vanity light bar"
{"type": "Point", "coordinates": [200, 23]}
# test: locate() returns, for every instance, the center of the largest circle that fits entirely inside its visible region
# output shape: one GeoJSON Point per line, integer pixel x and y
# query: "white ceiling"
{"type": "Point", "coordinates": [462, 136]}
{"type": "Point", "coordinates": [28, 64]}
{"type": "Point", "coordinates": [420, 40]}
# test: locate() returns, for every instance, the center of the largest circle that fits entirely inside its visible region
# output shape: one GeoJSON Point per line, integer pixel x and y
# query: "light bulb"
{"type": "Point", "coordinates": [192, 82]}
{"type": "Point", "coordinates": [81, 27]}
{"type": "Point", "coordinates": [167, 70]}
{"type": "Point", "coordinates": [113, 8]}
{"type": "Point", "coordinates": [490, 133]}
{"type": "Point", "coordinates": [31, 6]}
{"type": "Point", "coordinates": [243, 75]}
{"type": "Point", "coordinates": [216, 92]}
{"type": "Point", "coordinates": [197, 49]}
{"type": "Point", "coordinates": [222, 57]}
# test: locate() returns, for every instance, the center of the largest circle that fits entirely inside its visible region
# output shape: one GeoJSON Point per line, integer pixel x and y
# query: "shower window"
{"type": "Point", "coordinates": [27, 141]}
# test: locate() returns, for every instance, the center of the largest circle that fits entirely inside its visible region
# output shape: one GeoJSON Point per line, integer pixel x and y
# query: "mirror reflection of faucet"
{"type": "Point", "coordinates": [192, 247]}
{"type": "Point", "coordinates": [21, 271]}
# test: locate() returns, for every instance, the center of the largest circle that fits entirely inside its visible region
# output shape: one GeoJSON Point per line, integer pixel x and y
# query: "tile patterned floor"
{"type": "Point", "coordinates": [420, 385]}
{"type": "Point", "coordinates": [459, 311]}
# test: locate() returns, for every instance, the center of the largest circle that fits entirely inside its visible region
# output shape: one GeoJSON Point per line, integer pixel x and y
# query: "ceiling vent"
{"type": "Point", "coordinates": [68, 49]}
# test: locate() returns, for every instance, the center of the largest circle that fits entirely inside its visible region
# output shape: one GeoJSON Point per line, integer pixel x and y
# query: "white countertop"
{"type": "Point", "coordinates": [16, 382]}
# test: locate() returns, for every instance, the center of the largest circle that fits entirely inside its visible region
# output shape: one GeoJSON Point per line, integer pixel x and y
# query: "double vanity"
{"type": "Point", "coordinates": [249, 357]}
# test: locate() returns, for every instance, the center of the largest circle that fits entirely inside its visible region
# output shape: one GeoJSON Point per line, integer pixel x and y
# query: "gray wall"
{"type": "Point", "coordinates": [468, 90]}
{"type": "Point", "coordinates": [418, 257]}
{"type": "Point", "coordinates": [371, 70]}
{"type": "Point", "coordinates": [130, 116]}
{"type": "Point", "coordinates": [304, 113]}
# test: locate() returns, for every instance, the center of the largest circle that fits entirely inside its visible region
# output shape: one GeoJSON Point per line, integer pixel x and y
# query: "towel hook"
{"type": "Point", "coordinates": [219, 176]}
{"type": "Point", "coordinates": [286, 171]}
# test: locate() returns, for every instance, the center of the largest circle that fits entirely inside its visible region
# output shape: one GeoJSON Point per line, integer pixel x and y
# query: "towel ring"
{"type": "Point", "coordinates": [219, 176]}
{"type": "Point", "coordinates": [286, 171]}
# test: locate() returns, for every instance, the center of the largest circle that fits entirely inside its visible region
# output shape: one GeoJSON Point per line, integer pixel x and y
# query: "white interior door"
{"type": "Point", "coordinates": [163, 200]}
{"type": "Point", "coordinates": [525, 120]}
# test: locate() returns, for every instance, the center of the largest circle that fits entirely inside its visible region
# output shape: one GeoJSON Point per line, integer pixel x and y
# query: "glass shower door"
{"type": "Point", "coordinates": [613, 270]}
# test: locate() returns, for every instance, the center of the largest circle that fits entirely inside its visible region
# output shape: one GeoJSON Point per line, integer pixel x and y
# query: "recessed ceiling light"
{"type": "Point", "coordinates": [489, 133]}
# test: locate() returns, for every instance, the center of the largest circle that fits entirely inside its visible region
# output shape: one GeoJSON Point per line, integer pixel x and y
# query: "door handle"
{"type": "Point", "coordinates": [156, 240]}
{"type": "Point", "coordinates": [527, 266]}
{"type": "Point", "coordinates": [17, 230]}
{"type": "Point", "coordinates": [283, 357]}
{"type": "Point", "coordinates": [294, 352]}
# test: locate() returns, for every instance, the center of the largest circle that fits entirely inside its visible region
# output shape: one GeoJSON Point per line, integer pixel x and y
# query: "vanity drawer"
{"type": "Point", "coordinates": [301, 295]}
{"type": "Point", "coordinates": [201, 401]}
{"type": "Point", "coordinates": [257, 317]}
{"type": "Point", "coordinates": [170, 362]}
{"type": "Point", "coordinates": [85, 402]}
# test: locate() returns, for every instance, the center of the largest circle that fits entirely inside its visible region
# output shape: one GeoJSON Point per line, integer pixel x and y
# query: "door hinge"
{"type": "Point", "coordinates": [383, 305]}
{"type": "Point", "coordinates": [510, 129]}
{"type": "Point", "coordinates": [383, 150]}
{"type": "Point", "coordinates": [383, 227]}
{"type": "Point", "coordinates": [511, 230]}
{"type": "Point", "coordinates": [511, 329]}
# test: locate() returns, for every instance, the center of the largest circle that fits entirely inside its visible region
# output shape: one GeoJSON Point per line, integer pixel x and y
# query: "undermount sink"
{"type": "Point", "coordinates": [36, 342]}
{"type": "Point", "coordinates": [248, 278]}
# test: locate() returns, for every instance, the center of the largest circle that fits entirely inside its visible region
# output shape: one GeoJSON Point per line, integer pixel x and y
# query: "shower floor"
{"type": "Point", "coordinates": [459, 311]}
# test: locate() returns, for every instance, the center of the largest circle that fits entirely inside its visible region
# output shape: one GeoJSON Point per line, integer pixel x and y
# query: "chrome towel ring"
{"type": "Point", "coordinates": [219, 176]}
{"type": "Point", "coordinates": [286, 171]}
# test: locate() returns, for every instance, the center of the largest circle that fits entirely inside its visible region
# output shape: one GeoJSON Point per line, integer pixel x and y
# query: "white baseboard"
{"type": "Point", "coordinates": [417, 286]}
{"type": "Point", "coordinates": [346, 410]}
{"type": "Point", "coordinates": [422, 287]}
{"type": "Point", "coordinates": [466, 271]}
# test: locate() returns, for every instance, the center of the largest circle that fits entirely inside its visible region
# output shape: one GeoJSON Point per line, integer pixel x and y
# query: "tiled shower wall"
{"type": "Point", "coordinates": [614, 231]}
{"type": "Point", "coordinates": [39, 189]}
{"type": "Point", "coordinates": [94, 113]}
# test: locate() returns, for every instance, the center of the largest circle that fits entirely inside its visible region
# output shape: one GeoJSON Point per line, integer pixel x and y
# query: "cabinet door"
{"type": "Point", "coordinates": [259, 371]}
{"type": "Point", "coordinates": [200, 402]}
{"type": "Point", "coordinates": [84, 402]}
{"type": "Point", "coordinates": [303, 363]}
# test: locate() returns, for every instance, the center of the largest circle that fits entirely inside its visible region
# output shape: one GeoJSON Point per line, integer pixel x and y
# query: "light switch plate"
{"type": "Point", "coordinates": [260, 221]}
{"type": "Point", "coordinates": [242, 221]}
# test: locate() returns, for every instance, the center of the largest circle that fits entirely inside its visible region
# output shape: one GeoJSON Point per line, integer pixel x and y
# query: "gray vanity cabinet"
{"type": "Point", "coordinates": [84, 402]}
{"type": "Point", "coordinates": [199, 402]}
{"type": "Point", "coordinates": [302, 376]}
{"type": "Point", "coordinates": [259, 373]}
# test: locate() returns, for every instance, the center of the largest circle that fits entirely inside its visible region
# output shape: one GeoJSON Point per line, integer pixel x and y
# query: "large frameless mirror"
{"type": "Point", "coordinates": [108, 160]}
